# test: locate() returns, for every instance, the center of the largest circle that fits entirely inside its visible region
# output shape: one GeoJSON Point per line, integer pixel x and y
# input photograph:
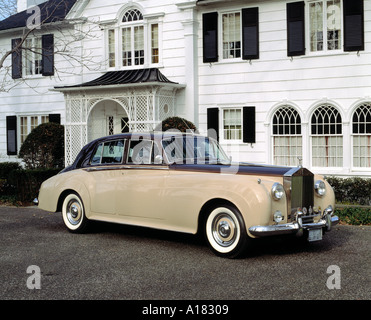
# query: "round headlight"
{"type": "Point", "coordinates": [278, 217]}
{"type": "Point", "coordinates": [277, 191]}
{"type": "Point", "coordinates": [320, 188]}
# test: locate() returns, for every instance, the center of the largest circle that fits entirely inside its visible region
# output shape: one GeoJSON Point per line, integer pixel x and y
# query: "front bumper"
{"type": "Point", "coordinates": [326, 222]}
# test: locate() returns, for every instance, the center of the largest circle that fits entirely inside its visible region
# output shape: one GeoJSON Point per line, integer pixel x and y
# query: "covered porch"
{"type": "Point", "coordinates": [116, 102]}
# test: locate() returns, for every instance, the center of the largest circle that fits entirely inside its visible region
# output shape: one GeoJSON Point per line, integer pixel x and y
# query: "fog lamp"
{"type": "Point", "coordinates": [278, 217]}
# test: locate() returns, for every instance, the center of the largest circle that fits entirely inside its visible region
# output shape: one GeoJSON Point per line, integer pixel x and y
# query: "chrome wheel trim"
{"type": "Point", "coordinates": [74, 212]}
{"type": "Point", "coordinates": [223, 230]}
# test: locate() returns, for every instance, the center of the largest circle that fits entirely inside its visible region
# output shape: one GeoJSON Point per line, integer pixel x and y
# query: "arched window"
{"type": "Point", "coordinates": [134, 42]}
{"type": "Point", "coordinates": [287, 139]}
{"type": "Point", "coordinates": [361, 124]}
{"type": "Point", "coordinates": [327, 139]}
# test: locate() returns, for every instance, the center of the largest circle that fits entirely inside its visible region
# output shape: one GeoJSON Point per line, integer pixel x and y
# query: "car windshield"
{"type": "Point", "coordinates": [194, 149]}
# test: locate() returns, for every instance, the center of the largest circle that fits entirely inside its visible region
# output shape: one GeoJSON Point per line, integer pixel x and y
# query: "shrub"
{"type": "Point", "coordinates": [44, 147]}
{"type": "Point", "coordinates": [7, 167]}
{"type": "Point", "coordinates": [177, 123]}
{"type": "Point", "coordinates": [354, 215]}
{"type": "Point", "coordinates": [28, 182]}
{"type": "Point", "coordinates": [351, 190]}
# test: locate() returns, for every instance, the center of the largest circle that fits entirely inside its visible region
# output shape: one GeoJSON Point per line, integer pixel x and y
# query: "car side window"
{"type": "Point", "coordinates": [109, 152]}
{"type": "Point", "coordinates": [144, 152]}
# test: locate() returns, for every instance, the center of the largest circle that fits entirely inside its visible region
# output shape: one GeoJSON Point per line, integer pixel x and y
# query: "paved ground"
{"type": "Point", "coordinates": [122, 262]}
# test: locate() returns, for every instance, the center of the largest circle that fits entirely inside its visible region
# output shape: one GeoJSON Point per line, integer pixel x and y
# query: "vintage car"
{"type": "Point", "coordinates": [186, 183]}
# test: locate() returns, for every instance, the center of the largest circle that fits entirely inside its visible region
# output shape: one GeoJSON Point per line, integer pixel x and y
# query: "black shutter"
{"type": "Point", "coordinates": [210, 37]}
{"type": "Point", "coordinates": [250, 33]}
{"type": "Point", "coordinates": [16, 59]}
{"type": "Point", "coordinates": [295, 29]}
{"type": "Point", "coordinates": [248, 123]}
{"type": "Point", "coordinates": [11, 135]}
{"type": "Point", "coordinates": [353, 25]}
{"type": "Point", "coordinates": [55, 118]}
{"type": "Point", "coordinates": [47, 54]}
{"type": "Point", "coordinates": [213, 120]}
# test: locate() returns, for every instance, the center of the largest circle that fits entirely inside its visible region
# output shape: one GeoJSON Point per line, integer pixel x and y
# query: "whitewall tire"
{"type": "Point", "coordinates": [73, 213]}
{"type": "Point", "coordinates": [225, 232]}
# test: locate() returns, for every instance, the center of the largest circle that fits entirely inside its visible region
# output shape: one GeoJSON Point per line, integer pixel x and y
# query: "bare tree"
{"type": "Point", "coordinates": [67, 42]}
{"type": "Point", "coordinates": [7, 8]}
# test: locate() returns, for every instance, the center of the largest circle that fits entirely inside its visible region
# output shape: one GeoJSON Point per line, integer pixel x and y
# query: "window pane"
{"type": "Point", "coordinates": [111, 49]}
{"type": "Point", "coordinates": [231, 35]}
{"type": "Point", "coordinates": [333, 25]}
{"type": "Point", "coordinates": [126, 47]}
{"type": "Point", "coordinates": [154, 43]}
{"type": "Point", "coordinates": [139, 45]}
{"type": "Point", "coordinates": [113, 152]}
{"type": "Point", "coordinates": [232, 122]}
{"type": "Point", "coordinates": [316, 26]}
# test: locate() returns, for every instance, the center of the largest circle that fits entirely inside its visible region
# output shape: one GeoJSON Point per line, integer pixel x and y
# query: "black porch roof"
{"type": "Point", "coordinates": [112, 78]}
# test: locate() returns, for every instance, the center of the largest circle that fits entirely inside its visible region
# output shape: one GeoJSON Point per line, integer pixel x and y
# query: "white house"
{"type": "Point", "coordinates": [278, 80]}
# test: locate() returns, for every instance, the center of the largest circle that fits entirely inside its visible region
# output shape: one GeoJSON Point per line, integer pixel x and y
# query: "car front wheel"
{"type": "Point", "coordinates": [225, 232]}
{"type": "Point", "coordinates": [73, 214]}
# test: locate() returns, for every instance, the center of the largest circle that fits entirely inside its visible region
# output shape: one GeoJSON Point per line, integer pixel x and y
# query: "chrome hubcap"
{"type": "Point", "coordinates": [74, 212]}
{"type": "Point", "coordinates": [224, 230]}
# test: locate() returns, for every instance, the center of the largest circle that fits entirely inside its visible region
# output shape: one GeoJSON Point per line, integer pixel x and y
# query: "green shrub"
{"type": "Point", "coordinates": [28, 182]}
{"type": "Point", "coordinates": [351, 190]}
{"type": "Point", "coordinates": [354, 215]}
{"type": "Point", "coordinates": [7, 167]}
{"type": "Point", "coordinates": [177, 123]}
{"type": "Point", "coordinates": [44, 147]}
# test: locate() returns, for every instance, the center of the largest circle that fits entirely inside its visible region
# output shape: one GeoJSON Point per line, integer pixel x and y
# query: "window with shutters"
{"type": "Point", "coordinates": [325, 25]}
{"type": "Point", "coordinates": [238, 38]}
{"type": "Point", "coordinates": [287, 137]}
{"type": "Point", "coordinates": [28, 123]}
{"type": "Point", "coordinates": [33, 57]}
{"type": "Point", "coordinates": [361, 130]}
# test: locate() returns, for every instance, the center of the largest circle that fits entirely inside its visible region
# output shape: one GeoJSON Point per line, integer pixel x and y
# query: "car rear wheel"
{"type": "Point", "coordinates": [73, 214]}
{"type": "Point", "coordinates": [225, 232]}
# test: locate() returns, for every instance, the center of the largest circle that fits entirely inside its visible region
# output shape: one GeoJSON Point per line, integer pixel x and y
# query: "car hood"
{"type": "Point", "coordinates": [234, 168]}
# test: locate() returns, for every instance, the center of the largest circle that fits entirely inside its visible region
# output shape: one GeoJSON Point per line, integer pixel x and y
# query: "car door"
{"type": "Point", "coordinates": [103, 174]}
{"type": "Point", "coordinates": [140, 189]}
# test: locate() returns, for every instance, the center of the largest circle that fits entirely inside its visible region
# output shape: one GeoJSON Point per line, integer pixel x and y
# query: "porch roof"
{"type": "Point", "coordinates": [140, 77]}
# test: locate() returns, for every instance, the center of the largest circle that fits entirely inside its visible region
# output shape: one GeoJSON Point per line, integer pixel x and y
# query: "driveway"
{"type": "Point", "coordinates": [126, 263]}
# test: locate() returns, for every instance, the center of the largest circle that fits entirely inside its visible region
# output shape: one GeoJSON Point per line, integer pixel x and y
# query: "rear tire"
{"type": "Point", "coordinates": [73, 213]}
{"type": "Point", "coordinates": [225, 232]}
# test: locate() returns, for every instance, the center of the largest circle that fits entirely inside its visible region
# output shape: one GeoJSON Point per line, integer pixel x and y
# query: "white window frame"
{"type": "Point", "coordinates": [292, 140]}
{"type": "Point", "coordinates": [146, 23]}
{"type": "Point", "coordinates": [31, 57]}
{"type": "Point", "coordinates": [360, 135]}
{"type": "Point", "coordinates": [221, 124]}
{"type": "Point", "coordinates": [325, 50]}
{"type": "Point", "coordinates": [29, 126]}
{"type": "Point", "coordinates": [221, 37]}
{"type": "Point", "coordinates": [339, 138]}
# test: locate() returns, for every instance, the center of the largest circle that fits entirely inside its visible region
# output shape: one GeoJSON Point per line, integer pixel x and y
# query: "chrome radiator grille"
{"type": "Point", "coordinates": [299, 185]}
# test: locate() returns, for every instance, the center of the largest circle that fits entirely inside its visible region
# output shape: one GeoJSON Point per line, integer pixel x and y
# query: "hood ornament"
{"type": "Point", "coordinates": [300, 159]}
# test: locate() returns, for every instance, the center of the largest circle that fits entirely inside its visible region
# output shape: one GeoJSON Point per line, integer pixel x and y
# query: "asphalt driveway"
{"type": "Point", "coordinates": [123, 262]}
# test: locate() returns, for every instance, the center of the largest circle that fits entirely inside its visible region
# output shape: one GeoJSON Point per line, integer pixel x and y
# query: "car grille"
{"type": "Point", "coordinates": [299, 186]}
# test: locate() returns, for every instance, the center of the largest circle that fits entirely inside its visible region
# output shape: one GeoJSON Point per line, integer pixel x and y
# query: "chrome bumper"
{"type": "Point", "coordinates": [327, 221]}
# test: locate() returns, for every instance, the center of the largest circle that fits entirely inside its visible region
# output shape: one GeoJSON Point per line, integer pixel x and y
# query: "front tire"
{"type": "Point", "coordinates": [73, 214]}
{"type": "Point", "coordinates": [225, 232]}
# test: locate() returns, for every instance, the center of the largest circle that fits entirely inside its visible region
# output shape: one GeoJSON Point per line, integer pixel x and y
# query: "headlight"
{"type": "Point", "coordinates": [320, 188]}
{"type": "Point", "coordinates": [277, 191]}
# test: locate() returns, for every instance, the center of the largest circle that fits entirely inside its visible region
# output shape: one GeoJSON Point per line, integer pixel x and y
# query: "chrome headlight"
{"type": "Point", "coordinates": [320, 187]}
{"type": "Point", "coordinates": [277, 191]}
